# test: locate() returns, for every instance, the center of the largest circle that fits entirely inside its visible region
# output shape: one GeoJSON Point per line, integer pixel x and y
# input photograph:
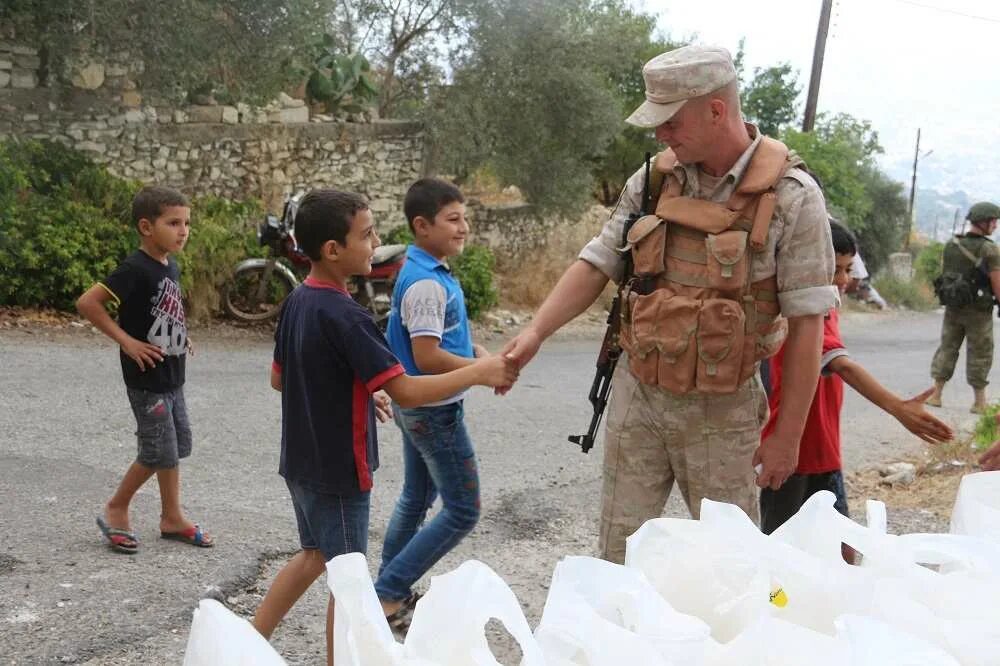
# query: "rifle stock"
{"type": "Point", "coordinates": [607, 357]}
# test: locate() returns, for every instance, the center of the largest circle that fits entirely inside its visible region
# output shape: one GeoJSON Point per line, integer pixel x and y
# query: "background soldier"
{"type": "Point", "coordinates": [707, 442]}
{"type": "Point", "coordinates": [970, 281]}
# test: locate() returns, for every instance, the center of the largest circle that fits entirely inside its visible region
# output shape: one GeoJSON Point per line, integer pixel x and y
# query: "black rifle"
{"type": "Point", "coordinates": [611, 349]}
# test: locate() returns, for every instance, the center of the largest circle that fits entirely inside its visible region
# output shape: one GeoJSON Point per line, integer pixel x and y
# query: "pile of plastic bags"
{"type": "Point", "coordinates": [711, 592]}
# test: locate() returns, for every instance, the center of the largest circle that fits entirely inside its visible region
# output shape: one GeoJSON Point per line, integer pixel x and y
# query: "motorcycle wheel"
{"type": "Point", "coordinates": [241, 296]}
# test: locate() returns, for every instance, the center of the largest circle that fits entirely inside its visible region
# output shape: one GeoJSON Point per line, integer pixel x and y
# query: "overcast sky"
{"type": "Point", "coordinates": [899, 63]}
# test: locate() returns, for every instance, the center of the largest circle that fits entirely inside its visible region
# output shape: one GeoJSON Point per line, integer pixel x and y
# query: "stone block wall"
{"type": "Point", "coordinates": [517, 233]}
{"type": "Point", "coordinates": [261, 160]}
{"type": "Point", "coordinates": [19, 65]}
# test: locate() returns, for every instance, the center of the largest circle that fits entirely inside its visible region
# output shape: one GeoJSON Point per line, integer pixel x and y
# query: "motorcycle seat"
{"type": "Point", "coordinates": [385, 254]}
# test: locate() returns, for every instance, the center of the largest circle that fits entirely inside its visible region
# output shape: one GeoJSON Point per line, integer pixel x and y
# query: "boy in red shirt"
{"type": "Point", "coordinates": [819, 465]}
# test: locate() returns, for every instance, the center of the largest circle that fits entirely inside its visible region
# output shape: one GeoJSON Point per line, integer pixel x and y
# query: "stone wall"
{"type": "Point", "coordinates": [19, 65]}
{"type": "Point", "coordinates": [516, 233]}
{"type": "Point", "coordinates": [265, 161]}
{"type": "Point", "coordinates": [232, 151]}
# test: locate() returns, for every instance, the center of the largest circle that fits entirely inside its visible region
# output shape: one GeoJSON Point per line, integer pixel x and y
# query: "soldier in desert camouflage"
{"type": "Point", "coordinates": [738, 252]}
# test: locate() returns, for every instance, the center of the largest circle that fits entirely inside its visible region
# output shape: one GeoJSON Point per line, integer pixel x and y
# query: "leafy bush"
{"type": "Point", "coordinates": [222, 233]}
{"type": "Point", "coordinates": [400, 235]}
{"type": "Point", "coordinates": [986, 431]}
{"type": "Point", "coordinates": [928, 262]}
{"type": "Point", "coordinates": [915, 294]}
{"type": "Point", "coordinates": [66, 223]}
{"type": "Point", "coordinates": [474, 270]}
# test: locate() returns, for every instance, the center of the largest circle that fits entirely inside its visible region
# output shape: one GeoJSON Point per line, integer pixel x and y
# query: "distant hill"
{"type": "Point", "coordinates": [935, 212]}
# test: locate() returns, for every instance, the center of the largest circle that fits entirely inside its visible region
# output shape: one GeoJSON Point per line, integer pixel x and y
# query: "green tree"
{"type": "Point", "coordinates": [405, 40]}
{"type": "Point", "coordinates": [769, 99]}
{"type": "Point", "coordinates": [841, 153]}
{"type": "Point", "coordinates": [533, 95]}
{"type": "Point", "coordinates": [236, 49]}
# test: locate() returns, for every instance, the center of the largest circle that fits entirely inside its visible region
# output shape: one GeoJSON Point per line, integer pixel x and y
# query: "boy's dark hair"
{"type": "Point", "coordinates": [843, 240]}
{"type": "Point", "coordinates": [325, 215]}
{"type": "Point", "coordinates": [150, 201]}
{"type": "Point", "coordinates": [427, 196]}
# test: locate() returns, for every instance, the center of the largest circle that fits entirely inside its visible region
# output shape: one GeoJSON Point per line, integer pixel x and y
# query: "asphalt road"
{"type": "Point", "coordinates": [65, 440]}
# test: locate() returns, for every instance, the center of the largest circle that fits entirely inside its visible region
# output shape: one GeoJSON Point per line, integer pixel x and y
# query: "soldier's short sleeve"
{"type": "Point", "coordinates": [992, 257]}
{"type": "Point", "coordinates": [603, 250]}
{"type": "Point", "coordinates": [805, 261]}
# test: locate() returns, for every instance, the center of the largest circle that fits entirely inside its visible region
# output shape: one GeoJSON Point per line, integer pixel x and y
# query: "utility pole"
{"type": "Point", "coordinates": [954, 225]}
{"type": "Point", "coordinates": [809, 118]}
{"type": "Point", "coordinates": [913, 192]}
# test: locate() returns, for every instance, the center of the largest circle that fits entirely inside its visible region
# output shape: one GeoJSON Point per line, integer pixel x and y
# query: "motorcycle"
{"type": "Point", "coordinates": [260, 285]}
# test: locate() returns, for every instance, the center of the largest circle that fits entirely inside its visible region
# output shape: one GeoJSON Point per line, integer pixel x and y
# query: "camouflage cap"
{"type": "Point", "coordinates": [674, 77]}
{"type": "Point", "coordinates": [983, 211]}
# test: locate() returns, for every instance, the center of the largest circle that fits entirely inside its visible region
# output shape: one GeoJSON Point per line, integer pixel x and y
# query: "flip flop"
{"type": "Point", "coordinates": [399, 620]}
{"type": "Point", "coordinates": [118, 538]}
{"type": "Point", "coordinates": [193, 536]}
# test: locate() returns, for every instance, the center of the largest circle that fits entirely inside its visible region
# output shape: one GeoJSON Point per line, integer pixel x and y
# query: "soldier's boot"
{"type": "Point", "coordinates": [979, 406]}
{"type": "Point", "coordinates": [935, 399]}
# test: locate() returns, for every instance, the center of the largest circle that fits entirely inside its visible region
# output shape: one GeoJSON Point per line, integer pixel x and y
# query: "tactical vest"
{"type": "Point", "coordinates": [692, 320]}
{"type": "Point", "coordinates": [964, 280]}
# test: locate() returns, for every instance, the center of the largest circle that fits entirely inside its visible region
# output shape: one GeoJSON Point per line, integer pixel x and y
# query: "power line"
{"type": "Point", "coordinates": [950, 11]}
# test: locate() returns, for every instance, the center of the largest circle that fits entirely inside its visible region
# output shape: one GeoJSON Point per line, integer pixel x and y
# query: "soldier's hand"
{"type": "Point", "coordinates": [777, 457]}
{"type": "Point", "coordinates": [498, 371]}
{"type": "Point", "coordinates": [520, 350]}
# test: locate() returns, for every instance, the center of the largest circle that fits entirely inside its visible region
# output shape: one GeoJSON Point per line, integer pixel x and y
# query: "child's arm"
{"type": "Point", "coordinates": [275, 378]}
{"type": "Point", "coordinates": [91, 305]}
{"type": "Point", "coordinates": [432, 360]}
{"type": "Point", "coordinates": [410, 391]}
{"type": "Point", "coordinates": [910, 413]}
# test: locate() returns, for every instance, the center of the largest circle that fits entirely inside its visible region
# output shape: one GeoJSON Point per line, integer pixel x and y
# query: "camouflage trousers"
{"type": "Point", "coordinates": [976, 326]}
{"type": "Point", "coordinates": [703, 442]}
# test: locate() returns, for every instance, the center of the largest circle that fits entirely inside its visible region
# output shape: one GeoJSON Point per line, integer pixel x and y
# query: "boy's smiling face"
{"type": "Point", "coordinates": [445, 237]}
{"type": "Point", "coordinates": [842, 274]}
{"type": "Point", "coordinates": [355, 256]}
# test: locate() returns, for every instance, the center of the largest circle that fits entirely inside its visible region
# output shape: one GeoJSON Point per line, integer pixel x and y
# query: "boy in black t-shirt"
{"type": "Point", "coordinates": [329, 360]}
{"type": "Point", "coordinates": [152, 335]}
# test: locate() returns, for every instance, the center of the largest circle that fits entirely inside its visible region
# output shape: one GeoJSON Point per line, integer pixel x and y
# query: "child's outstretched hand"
{"type": "Point", "coordinates": [143, 353]}
{"type": "Point", "coordinates": [922, 423]}
{"type": "Point", "coordinates": [383, 406]}
{"type": "Point", "coordinates": [498, 370]}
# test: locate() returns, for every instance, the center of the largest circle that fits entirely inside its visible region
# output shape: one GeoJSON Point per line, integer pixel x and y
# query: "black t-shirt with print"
{"type": "Point", "coordinates": [150, 309]}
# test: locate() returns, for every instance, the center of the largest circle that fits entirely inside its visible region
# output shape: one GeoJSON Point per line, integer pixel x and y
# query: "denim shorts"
{"type": "Point", "coordinates": [332, 524]}
{"type": "Point", "coordinates": [163, 430]}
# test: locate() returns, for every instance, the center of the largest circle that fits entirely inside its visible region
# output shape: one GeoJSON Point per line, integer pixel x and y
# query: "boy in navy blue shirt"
{"type": "Point", "coordinates": [329, 360]}
{"type": "Point", "coordinates": [429, 332]}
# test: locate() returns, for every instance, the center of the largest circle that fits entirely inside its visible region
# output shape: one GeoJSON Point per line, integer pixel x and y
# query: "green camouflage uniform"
{"type": "Point", "coordinates": [973, 322]}
{"type": "Point", "coordinates": [704, 443]}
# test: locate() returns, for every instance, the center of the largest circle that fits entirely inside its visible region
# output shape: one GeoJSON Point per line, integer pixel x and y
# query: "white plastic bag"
{"type": "Point", "coordinates": [977, 507]}
{"type": "Point", "coordinates": [221, 638]}
{"type": "Point", "coordinates": [361, 634]}
{"type": "Point", "coordinates": [602, 614]}
{"type": "Point", "coordinates": [449, 622]}
{"type": "Point", "coordinates": [773, 642]}
{"type": "Point", "coordinates": [870, 642]}
{"type": "Point", "coordinates": [701, 573]}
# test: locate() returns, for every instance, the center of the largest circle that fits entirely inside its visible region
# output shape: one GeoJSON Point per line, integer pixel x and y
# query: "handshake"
{"type": "Point", "coordinates": [499, 371]}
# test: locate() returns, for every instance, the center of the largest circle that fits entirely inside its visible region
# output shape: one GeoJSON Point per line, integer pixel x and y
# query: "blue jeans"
{"type": "Point", "coordinates": [438, 459]}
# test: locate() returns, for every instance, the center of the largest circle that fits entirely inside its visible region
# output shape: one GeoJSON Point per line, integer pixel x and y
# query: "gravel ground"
{"type": "Point", "coordinates": [65, 598]}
